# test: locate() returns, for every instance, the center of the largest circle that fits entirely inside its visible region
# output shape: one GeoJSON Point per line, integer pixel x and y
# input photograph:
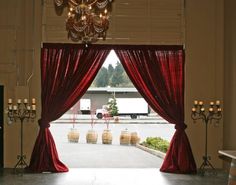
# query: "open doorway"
{"type": "Point", "coordinates": [84, 116]}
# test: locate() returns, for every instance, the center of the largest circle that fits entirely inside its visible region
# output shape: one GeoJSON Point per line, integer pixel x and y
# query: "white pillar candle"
{"type": "Point", "coordinates": [28, 107]}
{"type": "Point", "coordinates": [19, 101]}
{"type": "Point", "coordinates": [14, 107]}
{"type": "Point", "coordinates": [25, 100]}
{"type": "Point", "coordinates": [9, 100]}
{"type": "Point", "coordinates": [33, 107]}
{"type": "Point", "coordinates": [193, 109]}
{"type": "Point", "coordinates": [195, 102]}
{"type": "Point", "coordinates": [200, 102]}
{"type": "Point", "coordinates": [217, 102]}
{"type": "Point", "coordinates": [33, 101]}
{"type": "Point", "coordinates": [10, 107]}
{"type": "Point", "coordinates": [211, 109]}
{"type": "Point", "coordinates": [211, 103]}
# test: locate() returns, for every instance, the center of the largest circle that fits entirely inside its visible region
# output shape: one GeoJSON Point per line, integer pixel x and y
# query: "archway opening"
{"type": "Point", "coordinates": [135, 116]}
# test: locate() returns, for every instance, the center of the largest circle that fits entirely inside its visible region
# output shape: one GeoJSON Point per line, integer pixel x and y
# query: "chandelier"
{"type": "Point", "coordinates": [87, 20]}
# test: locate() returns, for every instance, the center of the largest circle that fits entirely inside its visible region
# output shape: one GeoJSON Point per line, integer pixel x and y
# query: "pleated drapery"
{"type": "Point", "coordinates": [67, 70]}
{"type": "Point", "coordinates": [158, 75]}
{"type": "Point", "coordinates": [66, 73]}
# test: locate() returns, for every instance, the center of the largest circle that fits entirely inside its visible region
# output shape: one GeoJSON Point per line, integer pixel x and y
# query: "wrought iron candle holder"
{"type": "Point", "coordinates": [21, 111]}
{"type": "Point", "coordinates": [199, 112]}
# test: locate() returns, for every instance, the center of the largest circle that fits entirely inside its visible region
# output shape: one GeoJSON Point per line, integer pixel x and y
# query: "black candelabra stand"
{"type": "Point", "coordinates": [199, 112]}
{"type": "Point", "coordinates": [21, 111]}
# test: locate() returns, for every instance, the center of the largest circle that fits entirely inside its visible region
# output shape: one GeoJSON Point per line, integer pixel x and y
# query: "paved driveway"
{"type": "Point", "coordinates": [76, 155]}
{"type": "Point", "coordinates": [82, 155]}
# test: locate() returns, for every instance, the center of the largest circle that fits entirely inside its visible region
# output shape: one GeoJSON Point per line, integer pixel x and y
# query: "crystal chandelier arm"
{"type": "Point", "coordinates": [73, 3]}
{"type": "Point", "coordinates": [102, 5]}
{"type": "Point", "coordinates": [92, 3]}
{"type": "Point", "coordinates": [59, 2]}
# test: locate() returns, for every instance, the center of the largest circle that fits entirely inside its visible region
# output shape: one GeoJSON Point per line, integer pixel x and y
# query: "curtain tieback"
{"type": "Point", "coordinates": [181, 126]}
{"type": "Point", "coordinates": [43, 123]}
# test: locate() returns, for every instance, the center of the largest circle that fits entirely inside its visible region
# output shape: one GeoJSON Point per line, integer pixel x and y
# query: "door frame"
{"type": "Point", "coordinates": [1, 126]}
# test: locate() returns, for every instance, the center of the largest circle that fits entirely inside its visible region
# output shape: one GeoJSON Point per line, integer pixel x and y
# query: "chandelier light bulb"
{"type": "Point", "coordinates": [83, 17]}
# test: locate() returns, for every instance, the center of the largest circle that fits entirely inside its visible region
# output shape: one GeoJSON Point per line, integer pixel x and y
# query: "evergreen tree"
{"type": "Point", "coordinates": [110, 70]}
{"type": "Point", "coordinates": [114, 77]}
{"type": "Point", "coordinates": [102, 79]}
{"type": "Point", "coordinates": [117, 77]}
{"type": "Point", "coordinates": [127, 82]}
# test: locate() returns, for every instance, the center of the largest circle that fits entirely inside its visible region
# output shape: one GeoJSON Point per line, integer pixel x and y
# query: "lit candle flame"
{"type": "Point", "coordinates": [211, 109]}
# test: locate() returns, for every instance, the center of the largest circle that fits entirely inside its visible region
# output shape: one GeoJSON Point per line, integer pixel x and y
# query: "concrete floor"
{"type": "Point", "coordinates": [106, 167]}
{"type": "Point", "coordinates": [110, 176]}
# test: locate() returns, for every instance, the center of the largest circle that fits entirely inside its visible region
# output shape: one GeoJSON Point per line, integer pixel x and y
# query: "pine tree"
{"type": "Point", "coordinates": [110, 70]}
{"type": "Point", "coordinates": [102, 79]}
{"type": "Point", "coordinates": [117, 78]}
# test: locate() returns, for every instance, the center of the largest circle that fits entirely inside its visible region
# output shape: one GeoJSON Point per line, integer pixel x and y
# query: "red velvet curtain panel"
{"type": "Point", "coordinates": [67, 71]}
{"type": "Point", "coordinates": [158, 74]}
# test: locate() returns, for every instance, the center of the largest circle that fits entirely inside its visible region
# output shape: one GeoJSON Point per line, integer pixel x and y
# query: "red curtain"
{"type": "Point", "coordinates": [67, 71]}
{"type": "Point", "coordinates": [158, 74]}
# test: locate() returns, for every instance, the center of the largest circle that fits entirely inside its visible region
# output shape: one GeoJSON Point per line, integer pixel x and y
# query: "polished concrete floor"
{"type": "Point", "coordinates": [110, 176]}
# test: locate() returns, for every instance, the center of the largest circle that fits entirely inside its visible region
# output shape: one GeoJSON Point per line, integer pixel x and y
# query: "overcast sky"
{"type": "Point", "coordinates": [111, 59]}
